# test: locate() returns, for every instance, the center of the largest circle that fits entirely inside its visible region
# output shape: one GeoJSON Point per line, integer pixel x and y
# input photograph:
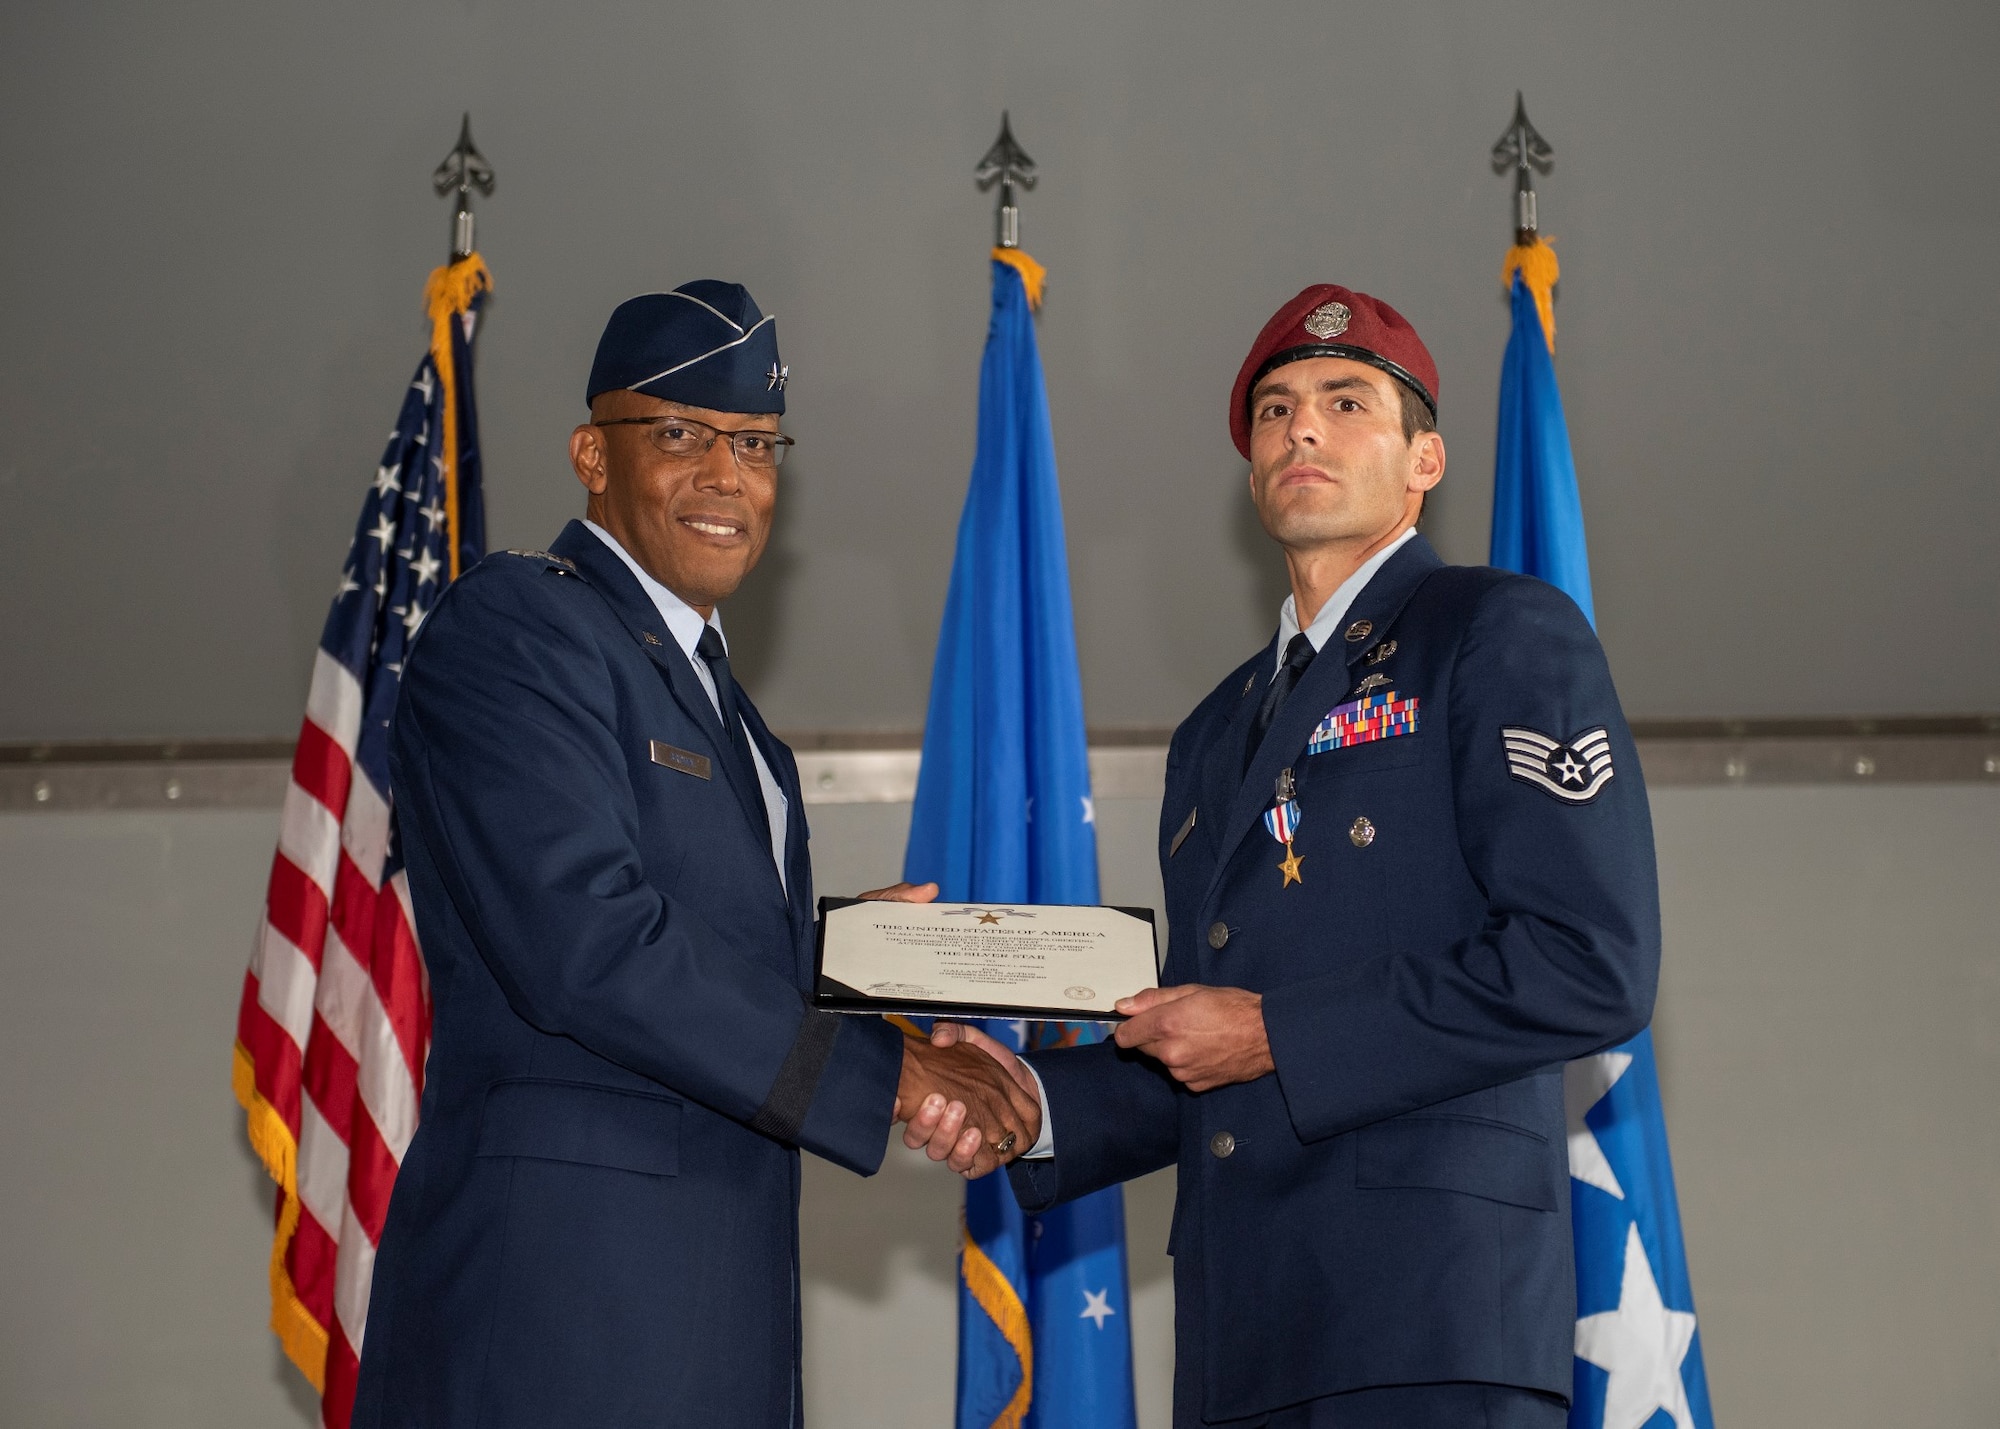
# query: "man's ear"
{"type": "Point", "coordinates": [1427, 461]}
{"type": "Point", "coordinates": [587, 456]}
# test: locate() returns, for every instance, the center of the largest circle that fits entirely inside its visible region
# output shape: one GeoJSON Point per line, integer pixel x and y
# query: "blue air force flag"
{"type": "Point", "coordinates": [1638, 1352]}
{"type": "Point", "coordinates": [1003, 813]}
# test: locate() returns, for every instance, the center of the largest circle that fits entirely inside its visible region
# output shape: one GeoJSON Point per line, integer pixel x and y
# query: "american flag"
{"type": "Point", "coordinates": [335, 1018]}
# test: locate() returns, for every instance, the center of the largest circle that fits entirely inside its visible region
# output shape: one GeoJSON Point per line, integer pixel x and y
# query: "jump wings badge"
{"type": "Point", "coordinates": [1575, 771]}
{"type": "Point", "coordinates": [1283, 819]}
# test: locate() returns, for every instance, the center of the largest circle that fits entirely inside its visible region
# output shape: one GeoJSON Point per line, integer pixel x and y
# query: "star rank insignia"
{"type": "Point", "coordinates": [1573, 770]}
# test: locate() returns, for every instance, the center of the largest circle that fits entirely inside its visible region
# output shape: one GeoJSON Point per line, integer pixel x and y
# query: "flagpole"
{"type": "Point", "coordinates": [454, 292]}
{"type": "Point", "coordinates": [464, 169]}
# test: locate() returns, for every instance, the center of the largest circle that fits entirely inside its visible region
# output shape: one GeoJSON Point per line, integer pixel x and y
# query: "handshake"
{"type": "Point", "coordinates": [967, 1100]}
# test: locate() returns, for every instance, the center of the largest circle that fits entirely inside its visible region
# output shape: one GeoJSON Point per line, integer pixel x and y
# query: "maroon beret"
{"type": "Point", "coordinates": [1327, 320]}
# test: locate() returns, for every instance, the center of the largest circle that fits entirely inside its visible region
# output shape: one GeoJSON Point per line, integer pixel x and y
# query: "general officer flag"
{"type": "Point", "coordinates": [1638, 1353]}
{"type": "Point", "coordinates": [1003, 814]}
{"type": "Point", "coordinates": [334, 1022]}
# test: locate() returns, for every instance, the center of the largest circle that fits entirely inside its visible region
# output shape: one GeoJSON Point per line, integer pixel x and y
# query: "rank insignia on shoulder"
{"type": "Point", "coordinates": [1376, 716]}
{"type": "Point", "coordinates": [550, 556]}
{"type": "Point", "coordinates": [1573, 770]}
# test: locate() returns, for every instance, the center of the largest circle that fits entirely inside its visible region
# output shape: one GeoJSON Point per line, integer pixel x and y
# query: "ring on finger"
{"type": "Point", "coordinates": [1005, 1144]}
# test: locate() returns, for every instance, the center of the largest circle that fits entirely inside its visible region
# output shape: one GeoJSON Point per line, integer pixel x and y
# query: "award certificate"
{"type": "Point", "coordinates": [1056, 962]}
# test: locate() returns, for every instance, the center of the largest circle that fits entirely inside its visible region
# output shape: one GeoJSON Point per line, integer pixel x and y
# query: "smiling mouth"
{"type": "Point", "coordinates": [707, 527]}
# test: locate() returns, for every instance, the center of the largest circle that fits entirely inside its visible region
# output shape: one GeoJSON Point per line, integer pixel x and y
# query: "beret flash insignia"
{"type": "Point", "coordinates": [1328, 320]}
{"type": "Point", "coordinates": [1574, 771]}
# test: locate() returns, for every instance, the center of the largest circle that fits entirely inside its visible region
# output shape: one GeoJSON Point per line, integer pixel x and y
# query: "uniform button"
{"type": "Point", "coordinates": [1221, 1144]}
{"type": "Point", "coordinates": [1218, 934]}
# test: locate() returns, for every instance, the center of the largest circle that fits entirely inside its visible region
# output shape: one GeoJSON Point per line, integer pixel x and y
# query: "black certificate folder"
{"type": "Point", "coordinates": [1053, 962]}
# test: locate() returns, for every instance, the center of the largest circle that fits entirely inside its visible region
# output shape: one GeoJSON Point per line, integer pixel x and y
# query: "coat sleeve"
{"type": "Point", "coordinates": [1567, 956]}
{"type": "Point", "coordinates": [508, 768]}
{"type": "Point", "coordinates": [1115, 1116]}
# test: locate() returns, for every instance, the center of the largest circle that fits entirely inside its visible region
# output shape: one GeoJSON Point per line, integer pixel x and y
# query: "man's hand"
{"type": "Point", "coordinates": [902, 893]}
{"type": "Point", "coordinates": [963, 1105]}
{"type": "Point", "coordinates": [1206, 1036]}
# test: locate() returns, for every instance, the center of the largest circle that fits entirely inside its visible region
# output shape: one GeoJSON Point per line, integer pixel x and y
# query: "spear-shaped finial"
{"type": "Point", "coordinates": [464, 169]}
{"type": "Point", "coordinates": [1007, 164]}
{"type": "Point", "coordinates": [1522, 149]}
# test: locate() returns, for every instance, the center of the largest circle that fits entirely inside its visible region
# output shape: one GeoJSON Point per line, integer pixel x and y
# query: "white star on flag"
{"type": "Point", "coordinates": [384, 532]}
{"type": "Point", "coordinates": [1089, 810]}
{"type": "Point", "coordinates": [1585, 1084]}
{"type": "Point", "coordinates": [413, 618]}
{"type": "Point", "coordinates": [423, 384]}
{"type": "Point", "coordinates": [1640, 1345]}
{"type": "Point", "coordinates": [426, 566]}
{"type": "Point", "coordinates": [434, 512]}
{"type": "Point", "coordinates": [1097, 1306]}
{"type": "Point", "coordinates": [386, 479]}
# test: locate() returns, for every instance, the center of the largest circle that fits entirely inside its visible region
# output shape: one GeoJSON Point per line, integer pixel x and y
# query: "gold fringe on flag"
{"type": "Point", "coordinates": [447, 297]}
{"type": "Point", "coordinates": [1033, 274]}
{"type": "Point", "coordinates": [303, 1337]}
{"type": "Point", "coordinates": [997, 1297]}
{"type": "Point", "coordinates": [1536, 263]}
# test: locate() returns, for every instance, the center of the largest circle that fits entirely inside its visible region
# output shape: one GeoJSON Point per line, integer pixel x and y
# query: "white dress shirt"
{"type": "Point", "coordinates": [684, 622]}
{"type": "Point", "coordinates": [1319, 632]}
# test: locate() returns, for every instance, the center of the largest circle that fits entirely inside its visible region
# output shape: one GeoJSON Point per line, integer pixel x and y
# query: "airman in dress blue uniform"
{"type": "Point", "coordinates": [597, 1221]}
{"type": "Point", "coordinates": [1409, 874]}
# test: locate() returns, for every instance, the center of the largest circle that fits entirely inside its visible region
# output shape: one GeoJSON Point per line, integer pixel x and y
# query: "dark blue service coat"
{"type": "Point", "coordinates": [597, 1222]}
{"type": "Point", "coordinates": [1390, 1206]}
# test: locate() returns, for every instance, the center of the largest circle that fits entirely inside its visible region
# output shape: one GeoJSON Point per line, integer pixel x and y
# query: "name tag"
{"type": "Point", "coordinates": [1377, 716]}
{"type": "Point", "coordinates": [685, 760]}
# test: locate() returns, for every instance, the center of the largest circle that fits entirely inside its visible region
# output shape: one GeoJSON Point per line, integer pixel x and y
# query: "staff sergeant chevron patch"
{"type": "Point", "coordinates": [1575, 772]}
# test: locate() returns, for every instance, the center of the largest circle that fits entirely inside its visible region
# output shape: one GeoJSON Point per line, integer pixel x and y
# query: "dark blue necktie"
{"type": "Point", "coordinates": [709, 647]}
{"type": "Point", "coordinates": [1298, 655]}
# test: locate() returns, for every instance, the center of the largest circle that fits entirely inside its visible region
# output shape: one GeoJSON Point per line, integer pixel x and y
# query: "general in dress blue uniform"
{"type": "Point", "coordinates": [1409, 873]}
{"type": "Point", "coordinates": [597, 1222]}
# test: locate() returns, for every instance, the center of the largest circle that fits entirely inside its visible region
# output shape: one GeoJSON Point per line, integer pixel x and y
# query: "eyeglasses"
{"type": "Point", "coordinates": [684, 439]}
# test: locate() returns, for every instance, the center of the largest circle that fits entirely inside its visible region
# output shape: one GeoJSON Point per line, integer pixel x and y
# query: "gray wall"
{"type": "Point", "coordinates": [1826, 1043]}
{"type": "Point", "coordinates": [1777, 222]}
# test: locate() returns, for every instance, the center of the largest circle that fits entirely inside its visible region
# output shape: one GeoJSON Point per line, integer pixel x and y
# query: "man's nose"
{"type": "Point", "coordinates": [719, 471]}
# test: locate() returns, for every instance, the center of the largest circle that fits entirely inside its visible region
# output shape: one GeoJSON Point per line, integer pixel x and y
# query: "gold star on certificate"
{"type": "Point", "coordinates": [1290, 867]}
{"type": "Point", "coordinates": [989, 917]}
